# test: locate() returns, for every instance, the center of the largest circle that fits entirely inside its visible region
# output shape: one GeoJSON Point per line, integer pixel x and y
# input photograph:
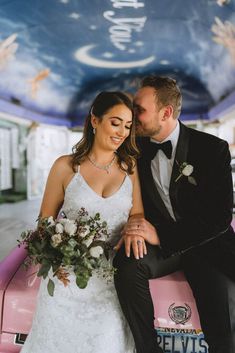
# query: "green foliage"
{"type": "Point", "coordinates": [66, 244]}
{"type": "Point", "coordinates": [51, 287]}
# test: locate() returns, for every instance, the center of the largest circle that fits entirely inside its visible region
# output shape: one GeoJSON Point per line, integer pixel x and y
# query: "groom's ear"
{"type": "Point", "coordinates": [167, 112]}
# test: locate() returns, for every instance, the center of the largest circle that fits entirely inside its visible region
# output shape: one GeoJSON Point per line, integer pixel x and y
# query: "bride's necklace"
{"type": "Point", "coordinates": [103, 167]}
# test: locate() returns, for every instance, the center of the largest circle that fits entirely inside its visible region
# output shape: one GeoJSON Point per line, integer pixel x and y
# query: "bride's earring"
{"type": "Point", "coordinates": [94, 130]}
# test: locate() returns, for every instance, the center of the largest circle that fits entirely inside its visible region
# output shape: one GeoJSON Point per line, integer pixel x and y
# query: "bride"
{"type": "Point", "coordinates": [100, 176]}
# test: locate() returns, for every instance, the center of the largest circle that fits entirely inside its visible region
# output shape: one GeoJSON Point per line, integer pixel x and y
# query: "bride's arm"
{"type": "Point", "coordinates": [138, 229]}
{"type": "Point", "coordinates": [137, 208]}
{"type": "Point", "coordinates": [54, 191]}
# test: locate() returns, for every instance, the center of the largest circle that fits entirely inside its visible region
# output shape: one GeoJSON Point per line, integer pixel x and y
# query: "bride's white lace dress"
{"type": "Point", "coordinates": [84, 320]}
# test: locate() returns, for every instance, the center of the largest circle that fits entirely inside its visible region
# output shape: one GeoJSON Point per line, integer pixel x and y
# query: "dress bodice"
{"type": "Point", "coordinates": [113, 209]}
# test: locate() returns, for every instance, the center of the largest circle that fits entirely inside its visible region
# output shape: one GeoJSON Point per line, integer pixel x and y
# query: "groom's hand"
{"type": "Point", "coordinates": [140, 226]}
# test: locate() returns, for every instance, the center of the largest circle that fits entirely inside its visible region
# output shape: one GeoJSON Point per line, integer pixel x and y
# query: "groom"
{"type": "Point", "coordinates": [187, 193]}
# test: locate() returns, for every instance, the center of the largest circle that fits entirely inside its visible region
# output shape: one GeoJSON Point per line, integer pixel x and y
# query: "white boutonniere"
{"type": "Point", "coordinates": [186, 170]}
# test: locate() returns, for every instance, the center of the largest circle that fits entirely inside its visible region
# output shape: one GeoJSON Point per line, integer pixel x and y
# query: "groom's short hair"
{"type": "Point", "coordinates": [166, 90]}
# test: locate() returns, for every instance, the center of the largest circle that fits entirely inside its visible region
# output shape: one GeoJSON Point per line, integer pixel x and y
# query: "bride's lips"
{"type": "Point", "coordinates": [116, 140]}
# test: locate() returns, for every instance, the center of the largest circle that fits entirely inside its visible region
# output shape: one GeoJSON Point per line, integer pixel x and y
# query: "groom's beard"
{"type": "Point", "coordinates": [147, 132]}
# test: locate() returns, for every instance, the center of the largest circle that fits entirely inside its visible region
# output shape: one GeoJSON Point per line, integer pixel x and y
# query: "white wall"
{"type": "Point", "coordinates": [45, 144]}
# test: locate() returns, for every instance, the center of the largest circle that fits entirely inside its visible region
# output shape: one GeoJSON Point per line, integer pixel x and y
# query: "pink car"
{"type": "Point", "coordinates": [18, 291]}
{"type": "Point", "coordinates": [177, 320]}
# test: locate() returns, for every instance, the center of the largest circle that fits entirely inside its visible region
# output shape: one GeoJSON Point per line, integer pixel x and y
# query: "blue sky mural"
{"type": "Point", "coordinates": [56, 55]}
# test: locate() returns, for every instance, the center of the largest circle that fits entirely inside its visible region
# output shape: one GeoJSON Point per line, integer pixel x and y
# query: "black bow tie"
{"type": "Point", "coordinates": [166, 147]}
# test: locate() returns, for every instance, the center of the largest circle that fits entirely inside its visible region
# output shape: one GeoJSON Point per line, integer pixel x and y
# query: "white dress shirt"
{"type": "Point", "coordinates": [161, 168]}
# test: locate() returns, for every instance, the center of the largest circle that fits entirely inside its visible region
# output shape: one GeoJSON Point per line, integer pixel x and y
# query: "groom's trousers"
{"type": "Point", "coordinates": [209, 287]}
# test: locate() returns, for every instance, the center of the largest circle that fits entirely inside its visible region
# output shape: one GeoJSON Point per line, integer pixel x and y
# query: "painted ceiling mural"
{"type": "Point", "coordinates": [56, 55]}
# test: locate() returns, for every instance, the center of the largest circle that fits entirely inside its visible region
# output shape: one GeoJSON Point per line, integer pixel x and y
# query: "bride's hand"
{"type": "Point", "coordinates": [134, 242]}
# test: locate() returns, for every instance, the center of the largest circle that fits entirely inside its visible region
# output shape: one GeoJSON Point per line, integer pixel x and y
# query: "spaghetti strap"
{"type": "Point", "coordinates": [78, 169]}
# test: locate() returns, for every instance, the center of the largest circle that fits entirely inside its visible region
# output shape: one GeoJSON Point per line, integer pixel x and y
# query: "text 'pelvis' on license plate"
{"type": "Point", "coordinates": [181, 341]}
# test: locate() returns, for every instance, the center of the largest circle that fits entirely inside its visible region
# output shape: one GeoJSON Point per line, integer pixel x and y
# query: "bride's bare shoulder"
{"type": "Point", "coordinates": [63, 164]}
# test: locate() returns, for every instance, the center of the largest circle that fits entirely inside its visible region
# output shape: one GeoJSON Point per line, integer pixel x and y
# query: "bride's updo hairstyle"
{"type": "Point", "coordinates": [128, 150]}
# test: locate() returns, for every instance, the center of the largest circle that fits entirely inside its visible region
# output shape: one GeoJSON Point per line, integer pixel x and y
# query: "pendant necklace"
{"type": "Point", "coordinates": [103, 167]}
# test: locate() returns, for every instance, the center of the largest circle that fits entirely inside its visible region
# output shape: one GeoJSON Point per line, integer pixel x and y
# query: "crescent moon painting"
{"type": "Point", "coordinates": [83, 55]}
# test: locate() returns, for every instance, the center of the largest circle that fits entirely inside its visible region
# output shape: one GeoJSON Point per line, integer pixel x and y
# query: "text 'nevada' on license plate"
{"type": "Point", "coordinates": [181, 340]}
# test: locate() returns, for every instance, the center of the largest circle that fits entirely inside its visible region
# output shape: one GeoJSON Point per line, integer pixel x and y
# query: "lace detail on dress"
{"type": "Point", "coordinates": [114, 209]}
{"type": "Point", "coordinates": [86, 320]}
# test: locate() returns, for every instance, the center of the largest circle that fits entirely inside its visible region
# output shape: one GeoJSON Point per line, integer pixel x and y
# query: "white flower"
{"type": "Point", "coordinates": [102, 237]}
{"type": "Point", "coordinates": [63, 220]}
{"type": "Point", "coordinates": [56, 239]}
{"type": "Point", "coordinates": [88, 241]}
{"type": "Point", "coordinates": [59, 228]}
{"type": "Point", "coordinates": [51, 221]}
{"type": "Point", "coordinates": [96, 251]}
{"type": "Point", "coordinates": [187, 170]}
{"type": "Point", "coordinates": [85, 230]}
{"type": "Point", "coordinates": [70, 227]}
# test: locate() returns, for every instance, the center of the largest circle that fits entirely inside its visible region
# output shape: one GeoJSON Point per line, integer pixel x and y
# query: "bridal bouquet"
{"type": "Point", "coordinates": [65, 245]}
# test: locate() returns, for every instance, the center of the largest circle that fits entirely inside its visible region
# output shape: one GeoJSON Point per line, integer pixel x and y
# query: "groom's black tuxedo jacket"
{"type": "Point", "coordinates": [202, 211]}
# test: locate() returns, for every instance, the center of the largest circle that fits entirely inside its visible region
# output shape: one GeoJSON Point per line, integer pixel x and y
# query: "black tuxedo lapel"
{"type": "Point", "coordinates": [180, 157]}
{"type": "Point", "coordinates": [148, 184]}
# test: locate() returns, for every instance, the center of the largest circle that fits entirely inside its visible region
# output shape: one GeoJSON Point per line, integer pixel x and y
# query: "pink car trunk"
{"type": "Point", "coordinates": [18, 292]}
{"type": "Point", "coordinates": [8, 268]}
{"type": "Point", "coordinates": [176, 315]}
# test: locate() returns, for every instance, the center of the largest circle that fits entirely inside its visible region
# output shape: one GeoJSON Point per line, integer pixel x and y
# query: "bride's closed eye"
{"type": "Point", "coordinates": [116, 124]}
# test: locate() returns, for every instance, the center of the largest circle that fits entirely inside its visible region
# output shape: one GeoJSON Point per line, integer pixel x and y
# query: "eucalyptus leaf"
{"type": "Point", "coordinates": [37, 245]}
{"type": "Point", "coordinates": [88, 264]}
{"type": "Point", "coordinates": [44, 269]}
{"type": "Point", "coordinates": [81, 281]}
{"type": "Point", "coordinates": [67, 261]}
{"type": "Point", "coordinates": [83, 248]}
{"type": "Point", "coordinates": [72, 243]}
{"type": "Point", "coordinates": [192, 180]}
{"type": "Point", "coordinates": [55, 267]}
{"type": "Point", "coordinates": [51, 287]}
